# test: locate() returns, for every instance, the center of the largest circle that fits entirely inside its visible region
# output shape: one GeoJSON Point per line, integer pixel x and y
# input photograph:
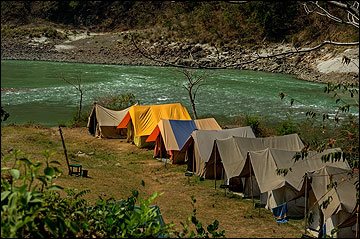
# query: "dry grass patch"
{"type": "Point", "coordinates": [116, 168]}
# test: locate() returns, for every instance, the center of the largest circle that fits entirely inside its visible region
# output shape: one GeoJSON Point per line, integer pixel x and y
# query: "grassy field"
{"type": "Point", "coordinates": [115, 168]}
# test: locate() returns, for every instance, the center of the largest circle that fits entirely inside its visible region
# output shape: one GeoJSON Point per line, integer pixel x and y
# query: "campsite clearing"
{"type": "Point", "coordinates": [115, 168]}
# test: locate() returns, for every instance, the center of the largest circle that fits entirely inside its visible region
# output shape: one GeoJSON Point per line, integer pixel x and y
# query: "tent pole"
{"type": "Point", "coordinates": [193, 159]}
{"type": "Point", "coordinates": [215, 168]}
{"type": "Point", "coordinates": [161, 145]}
{"type": "Point", "coordinates": [222, 177]}
{"type": "Point", "coordinates": [357, 222]}
{"type": "Point", "coordinates": [251, 184]}
{"type": "Point", "coordinates": [65, 152]}
{"type": "Point", "coordinates": [305, 216]}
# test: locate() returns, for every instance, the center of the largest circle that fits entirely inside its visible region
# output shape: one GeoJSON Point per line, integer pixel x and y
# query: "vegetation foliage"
{"type": "Point", "coordinates": [216, 22]}
{"type": "Point", "coordinates": [32, 206]}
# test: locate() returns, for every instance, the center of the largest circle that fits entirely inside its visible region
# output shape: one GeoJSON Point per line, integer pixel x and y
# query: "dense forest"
{"type": "Point", "coordinates": [210, 22]}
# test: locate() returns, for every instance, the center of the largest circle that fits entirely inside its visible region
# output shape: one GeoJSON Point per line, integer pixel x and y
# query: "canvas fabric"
{"type": "Point", "coordinates": [343, 196]}
{"type": "Point", "coordinates": [174, 135]}
{"type": "Point", "coordinates": [284, 188]}
{"type": "Point", "coordinates": [102, 122]}
{"type": "Point", "coordinates": [266, 162]}
{"type": "Point", "coordinates": [207, 124]}
{"type": "Point", "coordinates": [203, 141]}
{"type": "Point", "coordinates": [146, 117]}
{"type": "Point", "coordinates": [233, 150]}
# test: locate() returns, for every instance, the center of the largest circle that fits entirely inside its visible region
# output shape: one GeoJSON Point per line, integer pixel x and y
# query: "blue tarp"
{"type": "Point", "coordinates": [182, 130]}
{"type": "Point", "coordinates": [280, 213]}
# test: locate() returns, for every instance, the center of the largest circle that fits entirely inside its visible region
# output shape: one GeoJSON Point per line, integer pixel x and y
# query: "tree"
{"type": "Point", "coordinates": [4, 114]}
{"type": "Point", "coordinates": [77, 84]}
{"type": "Point", "coordinates": [192, 85]}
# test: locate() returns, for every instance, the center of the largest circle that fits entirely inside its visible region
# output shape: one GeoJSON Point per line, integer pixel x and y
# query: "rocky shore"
{"type": "Point", "coordinates": [324, 65]}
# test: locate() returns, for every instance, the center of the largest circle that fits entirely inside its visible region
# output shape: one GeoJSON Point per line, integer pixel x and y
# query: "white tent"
{"type": "Point", "coordinates": [284, 187]}
{"type": "Point", "coordinates": [232, 153]}
{"type": "Point", "coordinates": [332, 201]}
{"type": "Point", "coordinates": [102, 122]}
{"type": "Point", "coordinates": [200, 150]}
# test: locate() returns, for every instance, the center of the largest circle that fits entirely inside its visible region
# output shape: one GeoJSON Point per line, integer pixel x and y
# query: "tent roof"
{"type": "Point", "coordinates": [233, 151]}
{"type": "Point", "coordinates": [204, 139]}
{"type": "Point", "coordinates": [107, 117]}
{"type": "Point", "coordinates": [266, 162]}
{"type": "Point", "coordinates": [174, 133]}
{"type": "Point", "coordinates": [288, 142]}
{"type": "Point", "coordinates": [207, 124]}
{"type": "Point", "coordinates": [343, 195]}
{"type": "Point", "coordinates": [146, 117]}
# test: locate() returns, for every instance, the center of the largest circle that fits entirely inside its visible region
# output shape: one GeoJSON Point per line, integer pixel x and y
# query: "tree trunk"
{"type": "Point", "coordinates": [80, 104]}
{"type": "Point", "coordinates": [192, 101]}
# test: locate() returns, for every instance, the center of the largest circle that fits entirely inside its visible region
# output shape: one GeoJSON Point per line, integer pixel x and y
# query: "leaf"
{"type": "Point", "coordinates": [4, 195]}
{"type": "Point", "coordinates": [49, 171]}
{"type": "Point", "coordinates": [15, 173]}
{"type": "Point", "coordinates": [55, 187]}
{"type": "Point", "coordinates": [25, 160]}
{"type": "Point", "coordinates": [55, 162]}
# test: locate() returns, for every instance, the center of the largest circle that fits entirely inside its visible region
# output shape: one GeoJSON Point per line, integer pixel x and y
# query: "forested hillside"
{"type": "Point", "coordinates": [204, 22]}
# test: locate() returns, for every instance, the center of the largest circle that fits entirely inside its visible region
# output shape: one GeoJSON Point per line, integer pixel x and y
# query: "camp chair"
{"type": "Point", "coordinates": [74, 169]}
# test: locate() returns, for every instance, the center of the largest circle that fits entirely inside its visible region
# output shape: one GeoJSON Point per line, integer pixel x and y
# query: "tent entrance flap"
{"type": "Point", "coordinates": [123, 124]}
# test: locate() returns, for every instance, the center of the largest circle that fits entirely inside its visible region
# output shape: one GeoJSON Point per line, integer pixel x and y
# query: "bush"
{"type": "Point", "coordinates": [117, 102]}
{"type": "Point", "coordinates": [287, 126]}
{"type": "Point", "coordinates": [256, 123]}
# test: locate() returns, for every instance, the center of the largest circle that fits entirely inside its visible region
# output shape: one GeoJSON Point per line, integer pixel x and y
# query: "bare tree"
{"type": "Point", "coordinates": [77, 84]}
{"type": "Point", "coordinates": [351, 10]}
{"type": "Point", "coordinates": [194, 81]}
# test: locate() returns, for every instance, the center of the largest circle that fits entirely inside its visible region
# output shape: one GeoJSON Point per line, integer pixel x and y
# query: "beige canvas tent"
{"type": "Point", "coordinates": [200, 148]}
{"type": "Point", "coordinates": [281, 188]}
{"type": "Point", "coordinates": [232, 153]}
{"type": "Point", "coordinates": [207, 124]}
{"type": "Point", "coordinates": [332, 201]}
{"type": "Point", "coordinates": [170, 136]}
{"type": "Point", "coordinates": [102, 122]}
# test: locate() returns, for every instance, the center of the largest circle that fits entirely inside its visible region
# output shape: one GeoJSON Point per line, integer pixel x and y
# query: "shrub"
{"type": "Point", "coordinates": [31, 206]}
{"type": "Point", "coordinates": [287, 126]}
{"type": "Point", "coordinates": [117, 102]}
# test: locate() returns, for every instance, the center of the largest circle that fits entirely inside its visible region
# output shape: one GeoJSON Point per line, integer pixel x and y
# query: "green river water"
{"type": "Point", "coordinates": [32, 91]}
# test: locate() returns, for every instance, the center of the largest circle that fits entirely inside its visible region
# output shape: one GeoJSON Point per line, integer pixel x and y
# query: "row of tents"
{"type": "Point", "coordinates": [264, 168]}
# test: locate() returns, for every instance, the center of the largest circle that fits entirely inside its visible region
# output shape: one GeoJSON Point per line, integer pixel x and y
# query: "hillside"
{"type": "Point", "coordinates": [216, 34]}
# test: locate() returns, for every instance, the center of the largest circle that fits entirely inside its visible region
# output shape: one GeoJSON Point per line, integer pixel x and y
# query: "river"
{"type": "Point", "coordinates": [33, 91]}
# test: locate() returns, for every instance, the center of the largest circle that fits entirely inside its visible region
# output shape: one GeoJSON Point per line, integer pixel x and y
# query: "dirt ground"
{"type": "Point", "coordinates": [115, 168]}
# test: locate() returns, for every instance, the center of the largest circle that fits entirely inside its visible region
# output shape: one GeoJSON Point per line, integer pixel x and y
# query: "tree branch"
{"type": "Point", "coordinates": [258, 57]}
{"type": "Point", "coordinates": [352, 11]}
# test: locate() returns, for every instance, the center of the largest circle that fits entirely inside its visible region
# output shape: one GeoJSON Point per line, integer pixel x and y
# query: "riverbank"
{"type": "Point", "coordinates": [324, 65]}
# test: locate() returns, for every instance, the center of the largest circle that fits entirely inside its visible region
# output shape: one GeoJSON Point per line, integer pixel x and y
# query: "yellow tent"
{"type": "Point", "coordinates": [141, 120]}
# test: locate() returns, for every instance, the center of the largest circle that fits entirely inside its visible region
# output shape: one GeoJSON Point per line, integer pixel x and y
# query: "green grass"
{"type": "Point", "coordinates": [115, 168]}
